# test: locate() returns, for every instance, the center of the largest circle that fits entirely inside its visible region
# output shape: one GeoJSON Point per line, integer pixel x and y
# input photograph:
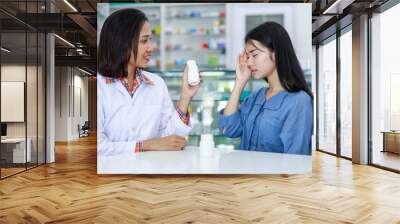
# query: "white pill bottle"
{"type": "Point", "coordinates": [193, 73]}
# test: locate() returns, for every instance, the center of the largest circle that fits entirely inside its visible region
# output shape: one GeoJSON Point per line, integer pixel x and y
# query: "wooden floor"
{"type": "Point", "coordinates": [387, 159]}
{"type": "Point", "coordinates": [5, 172]}
{"type": "Point", "coordinates": [70, 191]}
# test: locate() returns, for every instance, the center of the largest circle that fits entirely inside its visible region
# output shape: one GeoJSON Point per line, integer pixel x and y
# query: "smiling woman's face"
{"type": "Point", "coordinates": [145, 47]}
{"type": "Point", "coordinates": [261, 60]}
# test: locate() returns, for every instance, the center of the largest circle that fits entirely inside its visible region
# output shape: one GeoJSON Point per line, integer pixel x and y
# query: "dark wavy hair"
{"type": "Point", "coordinates": [119, 37]}
{"type": "Point", "coordinates": [274, 37]}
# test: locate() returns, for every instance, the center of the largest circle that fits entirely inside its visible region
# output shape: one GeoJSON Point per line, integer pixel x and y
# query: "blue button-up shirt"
{"type": "Point", "coordinates": [283, 123]}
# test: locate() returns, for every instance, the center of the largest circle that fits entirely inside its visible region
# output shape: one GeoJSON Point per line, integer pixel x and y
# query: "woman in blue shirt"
{"type": "Point", "coordinates": [277, 118]}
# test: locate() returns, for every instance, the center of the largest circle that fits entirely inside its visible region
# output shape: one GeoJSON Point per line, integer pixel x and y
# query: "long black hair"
{"type": "Point", "coordinates": [274, 37]}
{"type": "Point", "coordinates": [119, 37]}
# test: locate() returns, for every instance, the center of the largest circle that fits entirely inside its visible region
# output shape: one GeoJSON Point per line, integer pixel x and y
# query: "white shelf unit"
{"type": "Point", "coordinates": [194, 31]}
{"type": "Point", "coordinates": [185, 27]}
{"type": "Point", "coordinates": [182, 31]}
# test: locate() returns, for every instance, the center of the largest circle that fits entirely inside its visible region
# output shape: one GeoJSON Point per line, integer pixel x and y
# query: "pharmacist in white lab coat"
{"type": "Point", "coordinates": [135, 111]}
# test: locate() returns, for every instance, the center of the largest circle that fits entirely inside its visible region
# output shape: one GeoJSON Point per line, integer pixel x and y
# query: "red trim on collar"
{"type": "Point", "coordinates": [139, 73]}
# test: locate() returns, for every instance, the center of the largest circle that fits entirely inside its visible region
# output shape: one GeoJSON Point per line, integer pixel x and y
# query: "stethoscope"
{"type": "Point", "coordinates": [255, 119]}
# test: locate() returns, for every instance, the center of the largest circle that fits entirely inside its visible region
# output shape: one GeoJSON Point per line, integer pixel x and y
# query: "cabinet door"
{"type": "Point", "coordinates": [392, 142]}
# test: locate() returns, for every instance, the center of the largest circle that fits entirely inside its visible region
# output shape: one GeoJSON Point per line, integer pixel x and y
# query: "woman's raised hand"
{"type": "Point", "coordinates": [243, 72]}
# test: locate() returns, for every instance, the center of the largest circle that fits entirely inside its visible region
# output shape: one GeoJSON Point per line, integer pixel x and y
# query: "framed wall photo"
{"type": "Point", "coordinates": [162, 123]}
{"type": "Point", "coordinates": [12, 101]}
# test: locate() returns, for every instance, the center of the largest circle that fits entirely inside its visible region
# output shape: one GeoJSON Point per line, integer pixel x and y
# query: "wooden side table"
{"type": "Point", "coordinates": [391, 141]}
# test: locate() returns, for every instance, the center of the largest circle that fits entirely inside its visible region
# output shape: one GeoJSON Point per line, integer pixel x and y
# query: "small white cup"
{"type": "Point", "coordinates": [206, 145]}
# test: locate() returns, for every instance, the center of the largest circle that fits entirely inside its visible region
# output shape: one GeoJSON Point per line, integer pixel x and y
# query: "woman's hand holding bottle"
{"type": "Point", "coordinates": [187, 92]}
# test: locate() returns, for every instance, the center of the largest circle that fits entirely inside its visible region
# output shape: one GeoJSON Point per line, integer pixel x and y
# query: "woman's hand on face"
{"type": "Point", "coordinates": [188, 91]}
{"type": "Point", "coordinates": [243, 72]}
{"type": "Point", "coordinates": [169, 143]}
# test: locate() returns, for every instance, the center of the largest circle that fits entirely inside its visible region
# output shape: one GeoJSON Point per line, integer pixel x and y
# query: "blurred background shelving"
{"type": "Point", "coordinates": [194, 29]}
{"type": "Point", "coordinates": [182, 31]}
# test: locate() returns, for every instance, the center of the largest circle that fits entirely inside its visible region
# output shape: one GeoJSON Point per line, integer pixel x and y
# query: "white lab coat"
{"type": "Point", "coordinates": [124, 120]}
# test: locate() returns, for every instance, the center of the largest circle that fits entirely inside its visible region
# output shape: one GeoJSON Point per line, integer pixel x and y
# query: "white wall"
{"type": "Point", "coordinates": [80, 84]}
{"type": "Point", "coordinates": [61, 103]}
{"type": "Point", "coordinates": [70, 83]}
{"type": "Point", "coordinates": [13, 73]}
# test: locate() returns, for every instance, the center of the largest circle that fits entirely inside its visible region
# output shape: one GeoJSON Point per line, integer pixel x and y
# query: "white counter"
{"type": "Point", "coordinates": [190, 161]}
{"type": "Point", "coordinates": [18, 146]}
